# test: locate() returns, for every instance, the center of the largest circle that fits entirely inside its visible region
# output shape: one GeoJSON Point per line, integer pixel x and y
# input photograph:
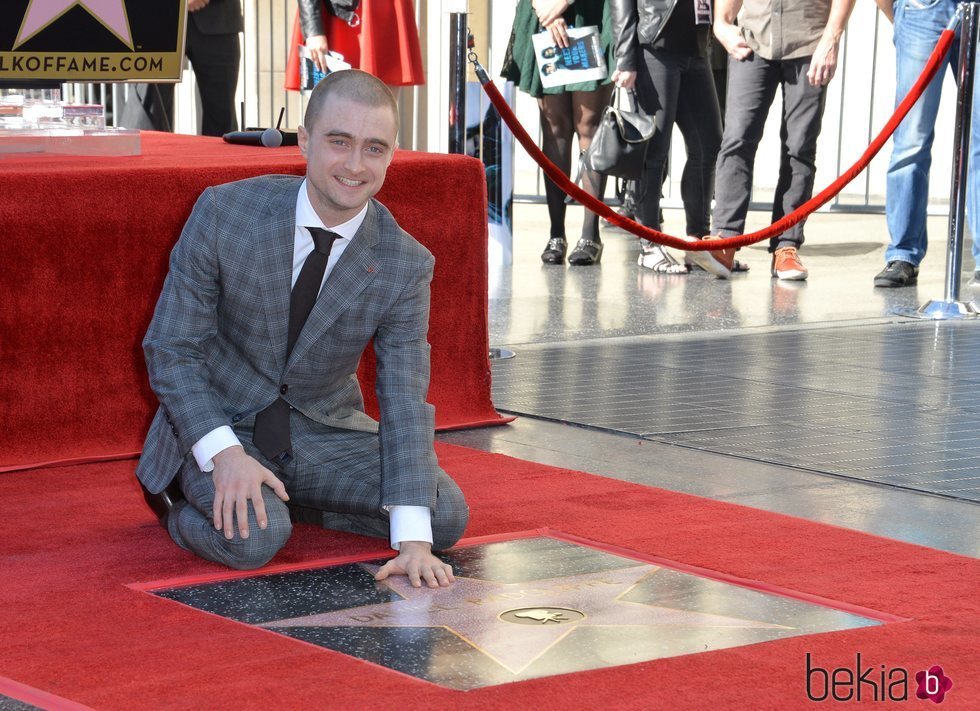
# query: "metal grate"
{"type": "Point", "coordinates": [896, 404]}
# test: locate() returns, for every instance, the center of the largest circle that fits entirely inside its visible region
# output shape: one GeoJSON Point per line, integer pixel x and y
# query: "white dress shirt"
{"type": "Point", "coordinates": [407, 523]}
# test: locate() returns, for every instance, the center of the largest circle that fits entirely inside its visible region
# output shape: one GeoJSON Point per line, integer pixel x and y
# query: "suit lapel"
{"type": "Point", "coordinates": [275, 235]}
{"type": "Point", "coordinates": [352, 273]}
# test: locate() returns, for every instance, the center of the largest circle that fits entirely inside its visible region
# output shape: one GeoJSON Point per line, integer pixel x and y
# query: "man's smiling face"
{"type": "Point", "coordinates": [348, 152]}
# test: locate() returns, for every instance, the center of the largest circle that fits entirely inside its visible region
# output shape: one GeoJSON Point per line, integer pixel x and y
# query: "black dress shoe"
{"type": "Point", "coordinates": [163, 503]}
{"type": "Point", "coordinates": [897, 274]}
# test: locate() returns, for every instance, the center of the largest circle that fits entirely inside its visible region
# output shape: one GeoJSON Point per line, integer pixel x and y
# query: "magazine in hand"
{"type": "Point", "coordinates": [581, 60]}
{"type": "Point", "coordinates": [309, 75]}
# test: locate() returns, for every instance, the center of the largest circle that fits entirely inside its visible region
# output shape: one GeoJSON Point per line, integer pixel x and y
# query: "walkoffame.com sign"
{"type": "Point", "coordinates": [91, 40]}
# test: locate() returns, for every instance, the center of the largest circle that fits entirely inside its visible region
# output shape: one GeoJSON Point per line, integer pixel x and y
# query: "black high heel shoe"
{"type": "Point", "coordinates": [554, 251]}
{"type": "Point", "coordinates": [586, 253]}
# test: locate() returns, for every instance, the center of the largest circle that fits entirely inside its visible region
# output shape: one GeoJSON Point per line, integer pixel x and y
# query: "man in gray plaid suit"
{"type": "Point", "coordinates": [216, 352]}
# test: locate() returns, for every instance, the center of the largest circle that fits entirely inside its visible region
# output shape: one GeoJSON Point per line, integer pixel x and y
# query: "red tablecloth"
{"type": "Point", "coordinates": [85, 242]}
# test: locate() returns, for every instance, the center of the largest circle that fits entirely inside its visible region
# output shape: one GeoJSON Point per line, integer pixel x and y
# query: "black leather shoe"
{"type": "Point", "coordinates": [897, 273]}
{"type": "Point", "coordinates": [163, 503]}
{"type": "Point", "coordinates": [554, 251]}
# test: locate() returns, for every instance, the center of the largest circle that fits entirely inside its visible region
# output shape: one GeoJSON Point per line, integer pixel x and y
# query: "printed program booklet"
{"type": "Point", "coordinates": [309, 75]}
{"type": "Point", "coordinates": [582, 60]}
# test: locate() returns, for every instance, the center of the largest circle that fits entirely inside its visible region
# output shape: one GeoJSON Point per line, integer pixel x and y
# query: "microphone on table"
{"type": "Point", "coordinates": [268, 137]}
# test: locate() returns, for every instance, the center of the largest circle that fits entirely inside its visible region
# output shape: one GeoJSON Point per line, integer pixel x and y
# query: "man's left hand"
{"type": "Point", "coordinates": [195, 5]}
{"type": "Point", "coordinates": [730, 37]}
{"type": "Point", "coordinates": [415, 560]}
{"type": "Point", "coordinates": [823, 64]}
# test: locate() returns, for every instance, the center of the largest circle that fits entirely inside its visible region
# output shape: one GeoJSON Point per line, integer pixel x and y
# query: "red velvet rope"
{"type": "Point", "coordinates": [778, 227]}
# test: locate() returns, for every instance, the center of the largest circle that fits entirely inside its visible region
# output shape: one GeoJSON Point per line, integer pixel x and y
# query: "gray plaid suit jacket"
{"type": "Point", "coordinates": [215, 349]}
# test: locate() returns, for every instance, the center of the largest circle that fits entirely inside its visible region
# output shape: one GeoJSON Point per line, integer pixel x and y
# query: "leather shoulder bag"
{"type": "Point", "coordinates": [619, 147]}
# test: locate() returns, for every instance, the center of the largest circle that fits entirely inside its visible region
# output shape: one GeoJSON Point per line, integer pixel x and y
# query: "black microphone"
{"type": "Point", "coordinates": [289, 138]}
{"type": "Point", "coordinates": [269, 137]}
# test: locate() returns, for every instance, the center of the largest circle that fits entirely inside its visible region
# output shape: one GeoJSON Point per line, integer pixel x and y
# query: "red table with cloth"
{"type": "Point", "coordinates": [85, 246]}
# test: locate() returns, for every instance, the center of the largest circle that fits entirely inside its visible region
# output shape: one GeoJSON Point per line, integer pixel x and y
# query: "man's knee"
{"type": "Point", "coordinates": [260, 546]}
{"type": "Point", "coordinates": [446, 535]}
{"type": "Point", "coordinates": [451, 516]}
{"type": "Point", "coordinates": [193, 530]}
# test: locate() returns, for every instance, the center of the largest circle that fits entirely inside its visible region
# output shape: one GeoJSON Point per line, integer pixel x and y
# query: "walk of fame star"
{"type": "Point", "coordinates": [471, 610]}
{"type": "Point", "coordinates": [41, 13]}
{"type": "Point", "coordinates": [519, 609]}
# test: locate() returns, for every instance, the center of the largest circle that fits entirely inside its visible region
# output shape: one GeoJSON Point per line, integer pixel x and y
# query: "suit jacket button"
{"type": "Point", "coordinates": [283, 389]}
{"type": "Point", "coordinates": [236, 419]}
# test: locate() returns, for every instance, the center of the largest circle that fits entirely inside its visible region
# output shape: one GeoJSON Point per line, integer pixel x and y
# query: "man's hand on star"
{"type": "Point", "coordinates": [415, 559]}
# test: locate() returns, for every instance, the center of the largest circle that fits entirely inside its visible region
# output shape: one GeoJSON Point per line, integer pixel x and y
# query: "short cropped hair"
{"type": "Point", "coordinates": [352, 84]}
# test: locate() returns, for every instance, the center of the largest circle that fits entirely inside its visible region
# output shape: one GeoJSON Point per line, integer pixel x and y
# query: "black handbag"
{"type": "Point", "coordinates": [619, 147]}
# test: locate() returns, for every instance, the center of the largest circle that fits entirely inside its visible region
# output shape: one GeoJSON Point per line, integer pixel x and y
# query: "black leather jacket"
{"type": "Point", "coordinates": [637, 22]}
{"type": "Point", "coordinates": [311, 14]}
{"type": "Point", "coordinates": [310, 18]}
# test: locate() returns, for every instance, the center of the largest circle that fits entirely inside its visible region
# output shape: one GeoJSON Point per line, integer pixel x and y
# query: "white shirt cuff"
{"type": "Point", "coordinates": [409, 523]}
{"type": "Point", "coordinates": [217, 440]}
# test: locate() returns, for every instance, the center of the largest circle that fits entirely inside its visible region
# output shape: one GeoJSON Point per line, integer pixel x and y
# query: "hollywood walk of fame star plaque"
{"type": "Point", "coordinates": [520, 609]}
{"type": "Point", "coordinates": [91, 40]}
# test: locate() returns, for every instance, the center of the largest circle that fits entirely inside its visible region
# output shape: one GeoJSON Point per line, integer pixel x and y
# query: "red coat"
{"type": "Point", "coordinates": [385, 43]}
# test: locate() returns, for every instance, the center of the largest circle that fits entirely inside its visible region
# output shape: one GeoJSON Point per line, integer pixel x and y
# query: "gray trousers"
{"type": "Point", "coordinates": [752, 86]}
{"type": "Point", "coordinates": [335, 482]}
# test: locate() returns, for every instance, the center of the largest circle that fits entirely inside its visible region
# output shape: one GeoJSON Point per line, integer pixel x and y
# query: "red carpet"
{"type": "Point", "coordinates": [74, 537]}
{"type": "Point", "coordinates": [85, 245]}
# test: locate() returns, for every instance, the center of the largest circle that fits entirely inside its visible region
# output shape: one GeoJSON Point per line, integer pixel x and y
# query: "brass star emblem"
{"type": "Point", "coordinates": [477, 612]}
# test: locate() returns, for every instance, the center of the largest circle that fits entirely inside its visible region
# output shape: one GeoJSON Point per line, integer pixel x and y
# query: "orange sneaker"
{"type": "Point", "coordinates": [719, 262]}
{"type": "Point", "coordinates": [786, 265]}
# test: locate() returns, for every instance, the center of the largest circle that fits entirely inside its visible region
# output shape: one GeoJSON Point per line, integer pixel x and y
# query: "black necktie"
{"type": "Point", "coordinates": [271, 434]}
{"type": "Point", "coordinates": [307, 285]}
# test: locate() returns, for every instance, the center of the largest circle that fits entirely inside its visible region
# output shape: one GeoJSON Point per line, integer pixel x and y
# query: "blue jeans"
{"type": "Point", "coordinates": [918, 24]}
